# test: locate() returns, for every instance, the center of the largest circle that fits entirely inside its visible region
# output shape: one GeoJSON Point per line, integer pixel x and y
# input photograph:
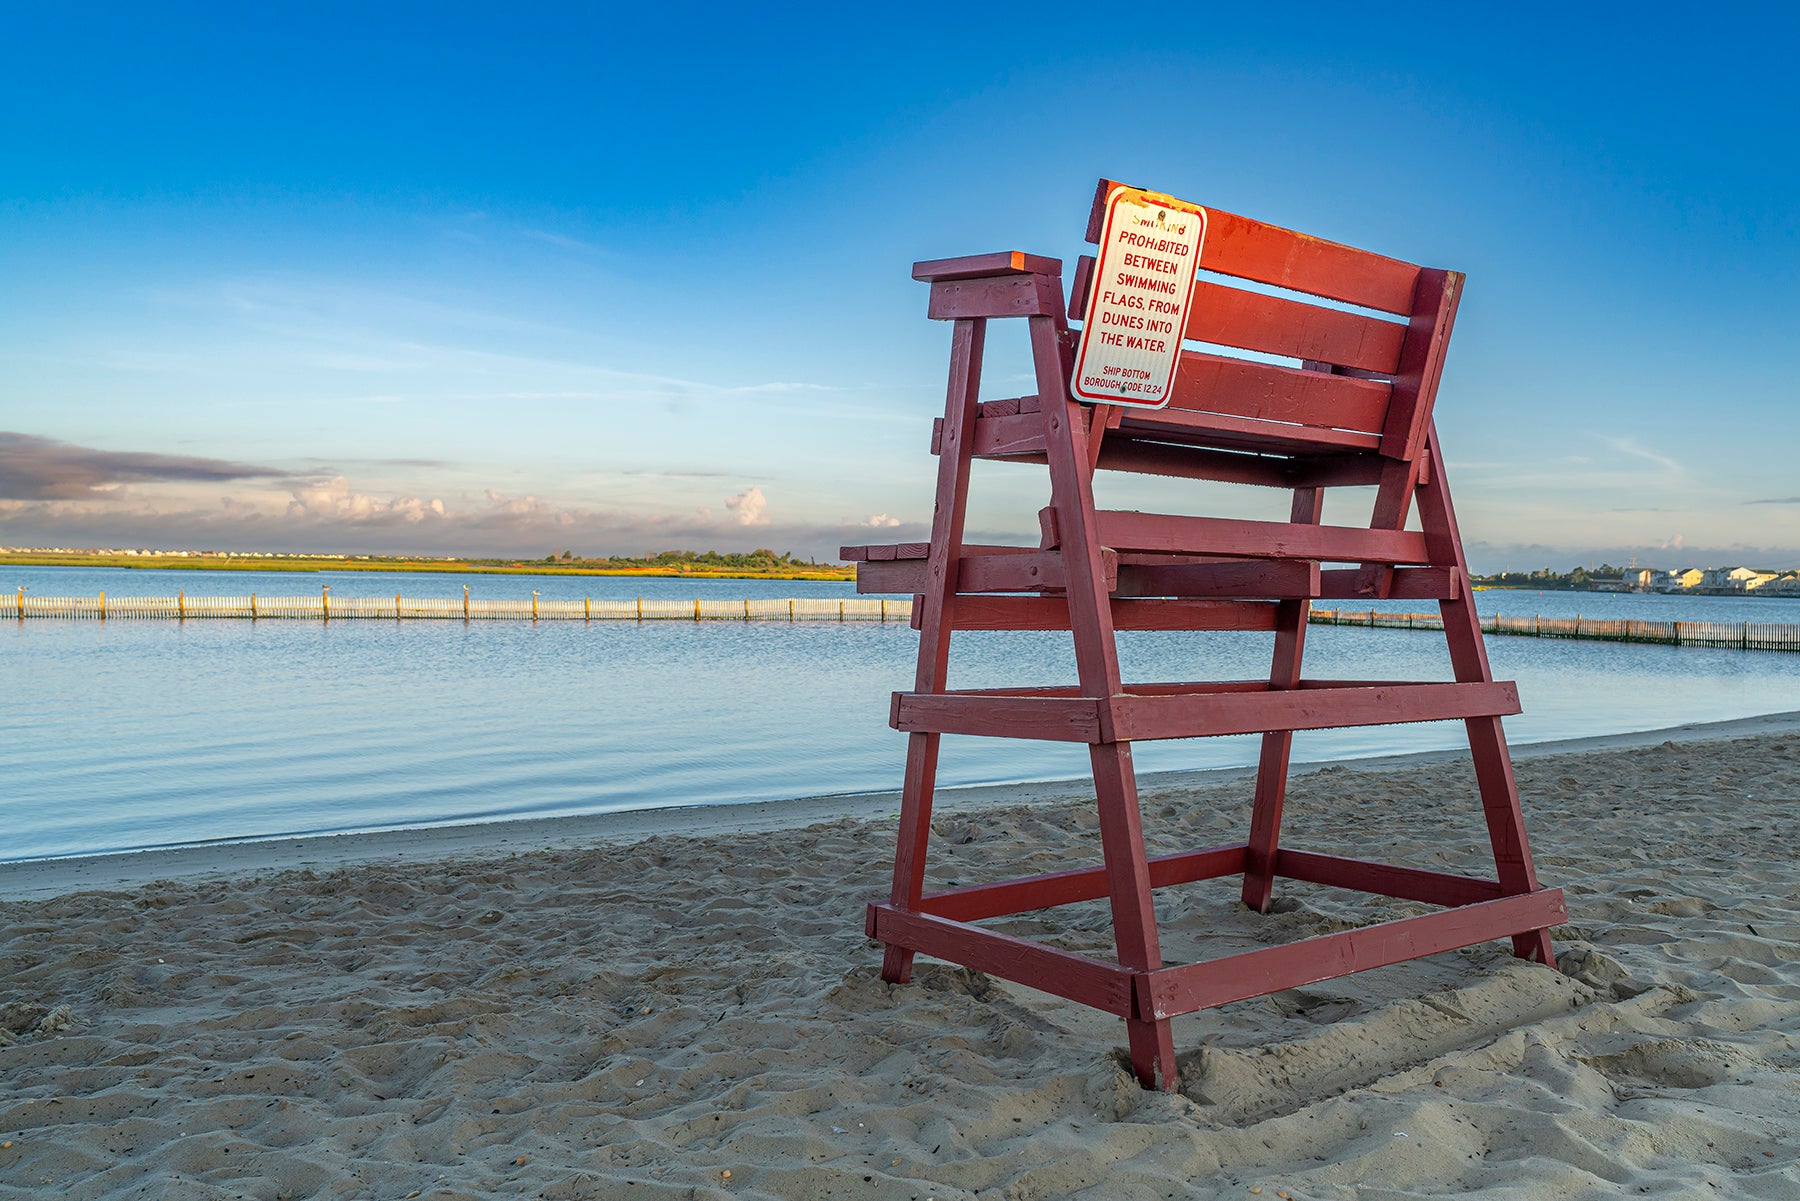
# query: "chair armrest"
{"type": "Point", "coordinates": [984, 266]}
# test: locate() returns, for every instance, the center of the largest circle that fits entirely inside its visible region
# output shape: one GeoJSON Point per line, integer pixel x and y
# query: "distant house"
{"type": "Point", "coordinates": [1782, 585]}
{"type": "Point", "coordinates": [1733, 579]}
{"type": "Point", "coordinates": [1691, 577]}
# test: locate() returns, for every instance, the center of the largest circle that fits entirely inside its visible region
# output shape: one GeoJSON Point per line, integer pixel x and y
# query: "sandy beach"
{"type": "Point", "coordinates": [682, 1004]}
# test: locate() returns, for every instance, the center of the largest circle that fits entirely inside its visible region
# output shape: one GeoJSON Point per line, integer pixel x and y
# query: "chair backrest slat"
{"type": "Point", "coordinates": [1268, 254]}
{"type": "Point", "coordinates": [1275, 325]}
{"type": "Point", "coordinates": [1256, 321]}
{"type": "Point", "coordinates": [1208, 383]}
{"type": "Point", "coordinates": [1361, 371]}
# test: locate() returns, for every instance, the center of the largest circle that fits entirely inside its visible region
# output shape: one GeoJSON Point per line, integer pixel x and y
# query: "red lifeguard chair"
{"type": "Point", "coordinates": [1355, 410]}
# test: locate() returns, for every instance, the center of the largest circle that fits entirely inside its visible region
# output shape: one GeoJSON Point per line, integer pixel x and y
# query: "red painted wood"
{"type": "Point", "coordinates": [1177, 990]}
{"type": "Point", "coordinates": [1261, 578]}
{"type": "Point", "coordinates": [1400, 583]}
{"type": "Point", "coordinates": [1210, 383]}
{"type": "Point", "coordinates": [1147, 712]}
{"type": "Point", "coordinates": [1335, 422]}
{"type": "Point", "coordinates": [977, 901]}
{"type": "Point", "coordinates": [1052, 613]}
{"type": "Point", "coordinates": [1487, 738]}
{"type": "Point", "coordinates": [1421, 363]}
{"type": "Point", "coordinates": [1002, 296]}
{"type": "Point", "coordinates": [1384, 879]}
{"type": "Point", "coordinates": [1272, 761]}
{"type": "Point", "coordinates": [1125, 530]}
{"type": "Point", "coordinates": [1269, 254]}
{"type": "Point", "coordinates": [1091, 982]}
{"type": "Point", "coordinates": [883, 552]}
{"type": "Point", "coordinates": [1002, 569]}
{"type": "Point", "coordinates": [1052, 719]}
{"type": "Point", "coordinates": [1134, 716]}
{"type": "Point", "coordinates": [1135, 935]}
{"type": "Point", "coordinates": [975, 266]}
{"type": "Point", "coordinates": [1334, 471]}
{"type": "Point", "coordinates": [1276, 325]}
{"type": "Point", "coordinates": [1004, 437]}
{"type": "Point", "coordinates": [1223, 430]}
{"type": "Point", "coordinates": [1079, 284]}
{"type": "Point", "coordinates": [936, 611]}
{"type": "Point", "coordinates": [1122, 453]}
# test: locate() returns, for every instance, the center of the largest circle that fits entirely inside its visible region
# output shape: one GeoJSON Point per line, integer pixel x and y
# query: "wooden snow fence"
{"type": "Point", "coordinates": [1734, 635]}
{"type": "Point", "coordinates": [325, 607]}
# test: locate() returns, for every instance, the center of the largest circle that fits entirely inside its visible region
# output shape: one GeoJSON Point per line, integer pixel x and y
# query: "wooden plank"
{"type": "Point", "coordinates": [1402, 583]}
{"type": "Point", "coordinates": [1009, 437]}
{"type": "Point", "coordinates": [975, 266]}
{"type": "Point", "coordinates": [1128, 530]}
{"type": "Point", "coordinates": [1258, 578]}
{"type": "Point", "coordinates": [1244, 433]}
{"type": "Point", "coordinates": [1292, 328]}
{"type": "Point", "coordinates": [1272, 759]}
{"type": "Point", "coordinates": [935, 609]}
{"type": "Point", "coordinates": [1385, 879]}
{"type": "Point", "coordinates": [1210, 383]}
{"type": "Point", "coordinates": [1421, 364]}
{"type": "Point", "coordinates": [1003, 296]}
{"type": "Point", "coordinates": [1053, 719]}
{"type": "Point", "coordinates": [1052, 613]}
{"type": "Point", "coordinates": [883, 552]}
{"type": "Point", "coordinates": [1191, 462]}
{"type": "Point", "coordinates": [1335, 471]}
{"type": "Point", "coordinates": [1004, 569]}
{"type": "Point", "coordinates": [1269, 254]}
{"type": "Point", "coordinates": [1126, 452]}
{"type": "Point", "coordinates": [1092, 982]}
{"type": "Point", "coordinates": [1173, 991]}
{"type": "Point", "coordinates": [1080, 283]}
{"type": "Point", "coordinates": [1487, 738]}
{"type": "Point", "coordinates": [1028, 893]}
{"type": "Point", "coordinates": [1138, 716]}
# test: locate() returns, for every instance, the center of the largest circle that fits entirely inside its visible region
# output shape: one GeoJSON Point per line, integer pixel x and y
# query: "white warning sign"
{"type": "Point", "coordinates": [1137, 302]}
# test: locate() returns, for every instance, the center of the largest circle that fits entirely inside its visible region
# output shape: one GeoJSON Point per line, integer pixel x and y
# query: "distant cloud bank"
{"type": "Point", "coordinates": [59, 494]}
{"type": "Point", "coordinates": [33, 468]}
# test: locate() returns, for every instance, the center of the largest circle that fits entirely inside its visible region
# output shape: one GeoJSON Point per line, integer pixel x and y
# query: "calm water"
{"type": "Point", "coordinates": [128, 735]}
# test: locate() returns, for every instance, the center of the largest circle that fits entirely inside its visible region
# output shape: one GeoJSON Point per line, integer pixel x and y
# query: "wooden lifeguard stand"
{"type": "Point", "coordinates": [1354, 410]}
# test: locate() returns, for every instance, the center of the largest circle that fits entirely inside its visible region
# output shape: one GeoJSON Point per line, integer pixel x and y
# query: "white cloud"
{"type": "Point", "coordinates": [750, 505]}
{"type": "Point", "coordinates": [334, 500]}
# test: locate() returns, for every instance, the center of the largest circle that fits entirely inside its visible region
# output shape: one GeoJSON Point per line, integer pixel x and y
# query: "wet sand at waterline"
{"type": "Point", "coordinates": [682, 1004]}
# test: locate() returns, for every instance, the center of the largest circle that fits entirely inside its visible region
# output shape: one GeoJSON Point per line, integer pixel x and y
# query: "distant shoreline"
{"type": "Point", "coordinates": [448, 566]}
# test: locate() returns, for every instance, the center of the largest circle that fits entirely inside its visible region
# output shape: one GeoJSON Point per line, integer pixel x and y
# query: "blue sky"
{"type": "Point", "coordinates": [514, 279]}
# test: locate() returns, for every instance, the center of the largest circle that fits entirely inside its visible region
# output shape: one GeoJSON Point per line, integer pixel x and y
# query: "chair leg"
{"type": "Point", "coordinates": [1278, 745]}
{"type": "Point", "coordinates": [936, 620]}
{"type": "Point", "coordinates": [1139, 947]}
{"type": "Point", "coordinates": [910, 846]}
{"type": "Point", "coordinates": [1506, 826]}
{"type": "Point", "coordinates": [1265, 820]}
{"type": "Point", "coordinates": [1494, 776]}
